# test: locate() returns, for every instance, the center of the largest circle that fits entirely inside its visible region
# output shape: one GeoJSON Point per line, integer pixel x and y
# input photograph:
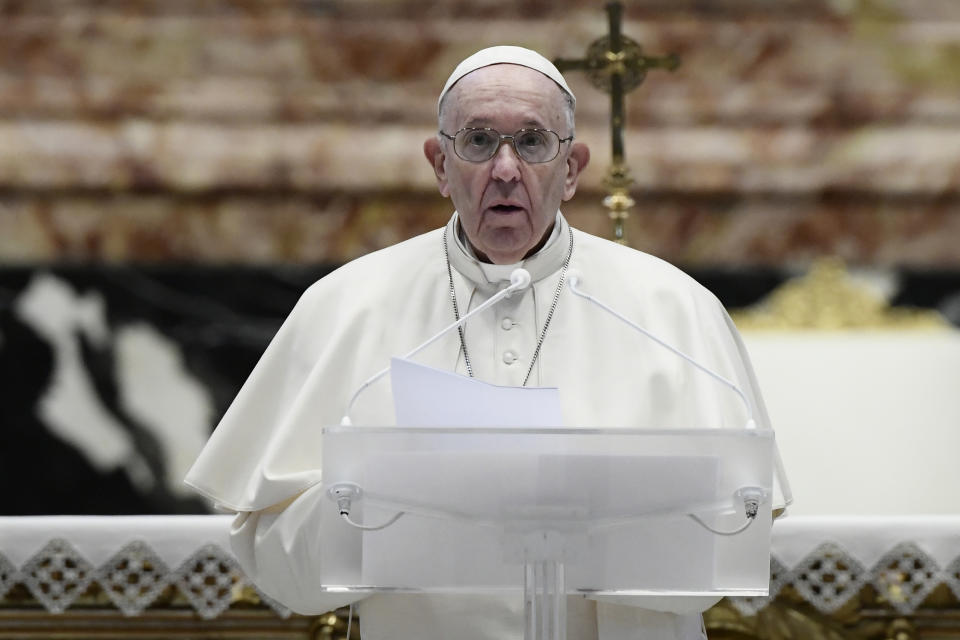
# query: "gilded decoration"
{"type": "Point", "coordinates": [616, 65]}
{"type": "Point", "coordinates": [868, 616]}
{"type": "Point", "coordinates": [827, 298]}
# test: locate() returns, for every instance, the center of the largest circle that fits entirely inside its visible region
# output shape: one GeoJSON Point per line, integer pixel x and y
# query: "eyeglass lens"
{"type": "Point", "coordinates": [478, 145]}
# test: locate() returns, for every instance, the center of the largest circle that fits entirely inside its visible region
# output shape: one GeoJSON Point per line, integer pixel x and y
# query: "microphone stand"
{"type": "Point", "coordinates": [573, 280]}
{"type": "Point", "coordinates": [519, 279]}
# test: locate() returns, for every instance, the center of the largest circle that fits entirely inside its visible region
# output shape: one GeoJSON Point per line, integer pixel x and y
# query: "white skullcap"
{"type": "Point", "coordinates": [506, 55]}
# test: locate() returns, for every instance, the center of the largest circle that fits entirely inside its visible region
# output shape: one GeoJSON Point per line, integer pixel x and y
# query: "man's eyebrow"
{"type": "Point", "coordinates": [477, 122]}
{"type": "Point", "coordinates": [485, 122]}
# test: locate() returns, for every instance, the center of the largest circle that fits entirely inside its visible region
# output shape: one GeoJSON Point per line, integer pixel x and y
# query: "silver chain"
{"type": "Point", "coordinates": [456, 309]}
{"type": "Point", "coordinates": [546, 324]}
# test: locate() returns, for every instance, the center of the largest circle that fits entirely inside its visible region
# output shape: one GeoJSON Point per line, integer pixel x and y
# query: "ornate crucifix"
{"type": "Point", "coordinates": [616, 65]}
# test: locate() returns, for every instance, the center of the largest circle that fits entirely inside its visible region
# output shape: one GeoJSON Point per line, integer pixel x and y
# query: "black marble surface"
{"type": "Point", "coordinates": [217, 321]}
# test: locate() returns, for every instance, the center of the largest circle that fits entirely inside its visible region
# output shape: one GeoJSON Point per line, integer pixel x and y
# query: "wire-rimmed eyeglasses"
{"type": "Point", "coordinates": [480, 144]}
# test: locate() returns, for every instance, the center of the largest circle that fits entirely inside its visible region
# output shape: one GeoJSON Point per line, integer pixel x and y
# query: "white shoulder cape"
{"type": "Point", "coordinates": [346, 326]}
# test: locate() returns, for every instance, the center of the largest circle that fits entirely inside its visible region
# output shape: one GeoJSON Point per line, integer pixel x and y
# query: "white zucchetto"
{"type": "Point", "coordinates": [506, 54]}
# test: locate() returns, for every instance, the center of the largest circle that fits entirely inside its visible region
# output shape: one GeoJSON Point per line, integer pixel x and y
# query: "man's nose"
{"type": "Point", "coordinates": [506, 164]}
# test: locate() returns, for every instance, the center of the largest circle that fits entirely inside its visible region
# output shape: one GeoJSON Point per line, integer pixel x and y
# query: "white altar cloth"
{"type": "Point", "coordinates": [134, 559]}
{"type": "Point", "coordinates": [97, 538]}
{"type": "Point", "coordinates": [867, 422]}
{"type": "Point", "coordinates": [827, 559]}
{"type": "Point", "coordinates": [867, 538]}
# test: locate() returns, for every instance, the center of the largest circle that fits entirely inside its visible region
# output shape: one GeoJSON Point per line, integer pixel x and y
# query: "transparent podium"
{"type": "Point", "coordinates": [543, 513]}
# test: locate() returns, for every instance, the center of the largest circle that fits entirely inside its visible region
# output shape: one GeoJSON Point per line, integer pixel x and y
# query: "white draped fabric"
{"type": "Point", "coordinates": [263, 459]}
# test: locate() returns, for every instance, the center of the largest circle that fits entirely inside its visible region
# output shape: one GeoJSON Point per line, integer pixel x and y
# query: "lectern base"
{"type": "Point", "coordinates": [545, 601]}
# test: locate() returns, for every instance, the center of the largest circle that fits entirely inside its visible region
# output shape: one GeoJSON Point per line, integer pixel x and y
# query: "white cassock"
{"type": "Point", "coordinates": [263, 460]}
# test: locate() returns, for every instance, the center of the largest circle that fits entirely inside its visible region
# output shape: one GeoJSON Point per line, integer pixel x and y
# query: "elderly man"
{"type": "Point", "coordinates": [506, 155]}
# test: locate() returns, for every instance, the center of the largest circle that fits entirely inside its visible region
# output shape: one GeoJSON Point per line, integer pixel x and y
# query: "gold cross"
{"type": "Point", "coordinates": [616, 65]}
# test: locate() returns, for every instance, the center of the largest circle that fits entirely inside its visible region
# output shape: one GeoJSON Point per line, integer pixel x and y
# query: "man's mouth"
{"type": "Point", "coordinates": [505, 208]}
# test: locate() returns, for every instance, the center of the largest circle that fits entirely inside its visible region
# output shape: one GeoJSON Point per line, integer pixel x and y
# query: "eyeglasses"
{"type": "Point", "coordinates": [480, 144]}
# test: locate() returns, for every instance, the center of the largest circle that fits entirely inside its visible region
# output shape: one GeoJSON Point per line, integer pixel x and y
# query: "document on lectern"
{"type": "Point", "coordinates": [428, 397]}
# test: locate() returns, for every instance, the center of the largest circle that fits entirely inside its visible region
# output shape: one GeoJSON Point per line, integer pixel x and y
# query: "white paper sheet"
{"type": "Point", "coordinates": [428, 397]}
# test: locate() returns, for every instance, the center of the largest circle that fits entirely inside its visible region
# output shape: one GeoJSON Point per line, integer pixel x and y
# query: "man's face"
{"type": "Point", "coordinates": [506, 205]}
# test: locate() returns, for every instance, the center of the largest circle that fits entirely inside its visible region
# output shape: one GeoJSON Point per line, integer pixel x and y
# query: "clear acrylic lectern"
{"type": "Point", "coordinates": [546, 512]}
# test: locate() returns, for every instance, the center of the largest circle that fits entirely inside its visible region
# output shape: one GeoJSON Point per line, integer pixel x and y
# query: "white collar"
{"type": "Point", "coordinates": [547, 260]}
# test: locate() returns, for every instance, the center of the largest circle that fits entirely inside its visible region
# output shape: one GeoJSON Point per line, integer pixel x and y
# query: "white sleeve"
{"type": "Point", "coordinates": [280, 552]}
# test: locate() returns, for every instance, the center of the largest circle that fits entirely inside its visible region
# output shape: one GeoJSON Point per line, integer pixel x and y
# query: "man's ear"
{"type": "Point", "coordinates": [433, 150]}
{"type": "Point", "coordinates": [577, 161]}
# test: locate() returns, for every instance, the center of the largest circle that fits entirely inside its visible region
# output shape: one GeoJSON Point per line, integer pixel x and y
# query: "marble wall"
{"type": "Point", "coordinates": [174, 173]}
{"type": "Point", "coordinates": [290, 131]}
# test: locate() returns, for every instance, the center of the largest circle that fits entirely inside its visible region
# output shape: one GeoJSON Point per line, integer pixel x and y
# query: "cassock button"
{"type": "Point", "coordinates": [509, 357]}
{"type": "Point", "coordinates": [507, 324]}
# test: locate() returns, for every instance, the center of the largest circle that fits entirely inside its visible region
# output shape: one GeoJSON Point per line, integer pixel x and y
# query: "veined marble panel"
{"type": "Point", "coordinates": [303, 157]}
{"type": "Point", "coordinates": [829, 69]}
{"type": "Point", "coordinates": [291, 130]}
{"type": "Point", "coordinates": [333, 227]}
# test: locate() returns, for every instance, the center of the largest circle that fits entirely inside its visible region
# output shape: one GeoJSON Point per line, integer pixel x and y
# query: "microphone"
{"type": "Point", "coordinates": [519, 280]}
{"type": "Point", "coordinates": [573, 281]}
